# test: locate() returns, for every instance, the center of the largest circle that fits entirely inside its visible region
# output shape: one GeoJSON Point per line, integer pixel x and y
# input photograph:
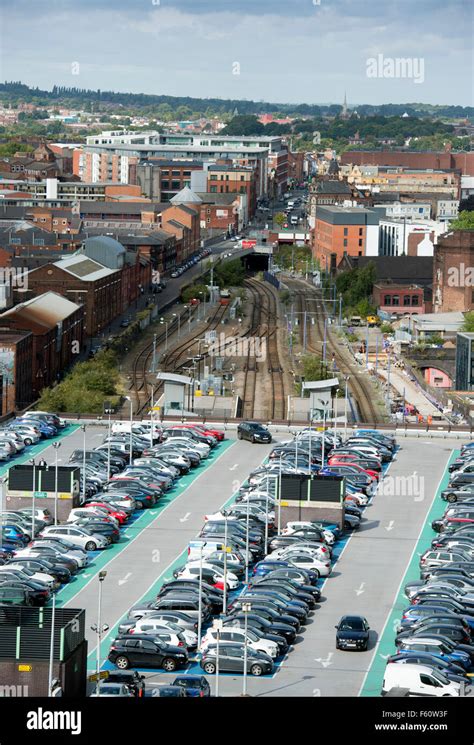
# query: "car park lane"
{"type": "Point", "coordinates": [143, 561]}
{"type": "Point", "coordinates": [364, 581]}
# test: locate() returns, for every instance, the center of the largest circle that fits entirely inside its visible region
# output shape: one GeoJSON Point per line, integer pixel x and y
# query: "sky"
{"type": "Point", "coordinates": [297, 51]}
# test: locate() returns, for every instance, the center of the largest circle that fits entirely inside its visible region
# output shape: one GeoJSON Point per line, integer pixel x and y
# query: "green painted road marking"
{"type": "Point", "coordinates": [372, 685]}
{"type": "Point", "coordinates": [151, 593]}
{"type": "Point", "coordinates": [67, 593]}
{"type": "Point", "coordinates": [33, 450]}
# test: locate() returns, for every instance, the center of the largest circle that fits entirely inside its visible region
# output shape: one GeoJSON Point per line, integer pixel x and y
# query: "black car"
{"type": "Point", "coordinates": [146, 651]}
{"type": "Point", "coordinates": [55, 569]}
{"type": "Point", "coordinates": [352, 632]}
{"type": "Point", "coordinates": [195, 686]}
{"type": "Point", "coordinates": [254, 432]}
{"type": "Point", "coordinates": [130, 678]}
{"type": "Point", "coordinates": [260, 620]}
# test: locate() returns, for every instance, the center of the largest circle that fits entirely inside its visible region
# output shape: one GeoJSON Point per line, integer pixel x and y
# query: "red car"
{"type": "Point", "coordinates": [336, 461]}
{"type": "Point", "coordinates": [217, 433]}
{"type": "Point", "coordinates": [118, 514]}
{"type": "Point", "coordinates": [360, 460]}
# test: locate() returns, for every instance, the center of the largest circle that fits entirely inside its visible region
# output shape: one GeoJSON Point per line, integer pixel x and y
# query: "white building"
{"type": "Point", "coordinates": [394, 235]}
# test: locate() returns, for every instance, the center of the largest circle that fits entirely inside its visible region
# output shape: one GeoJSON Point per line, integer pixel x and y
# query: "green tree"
{"type": "Point", "coordinates": [244, 124]}
{"type": "Point", "coordinates": [468, 324]}
{"type": "Point", "coordinates": [464, 221]}
{"type": "Point", "coordinates": [279, 218]}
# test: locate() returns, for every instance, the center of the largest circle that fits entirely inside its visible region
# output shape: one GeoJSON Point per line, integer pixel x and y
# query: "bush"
{"type": "Point", "coordinates": [85, 388]}
{"type": "Point", "coordinates": [193, 292]}
{"type": "Point", "coordinates": [386, 328]}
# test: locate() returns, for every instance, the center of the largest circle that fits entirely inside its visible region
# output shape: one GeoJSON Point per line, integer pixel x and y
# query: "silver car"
{"type": "Point", "coordinates": [77, 536]}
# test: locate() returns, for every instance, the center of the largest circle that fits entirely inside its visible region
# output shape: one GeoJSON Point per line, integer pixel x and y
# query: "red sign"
{"type": "Point", "coordinates": [249, 243]}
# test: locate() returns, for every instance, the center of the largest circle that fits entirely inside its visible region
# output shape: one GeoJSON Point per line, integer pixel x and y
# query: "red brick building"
{"type": "Point", "coordinates": [86, 283]}
{"type": "Point", "coordinates": [226, 178]}
{"type": "Point", "coordinates": [16, 369]}
{"type": "Point", "coordinates": [453, 272]}
{"type": "Point", "coordinates": [462, 161]}
{"type": "Point", "coordinates": [399, 299]}
{"type": "Point", "coordinates": [57, 326]}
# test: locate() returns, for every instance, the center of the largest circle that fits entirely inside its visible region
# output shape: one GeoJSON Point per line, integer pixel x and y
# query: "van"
{"type": "Point", "coordinates": [294, 220]}
{"type": "Point", "coordinates": [291, 204]}
{"type": "Point", "coordinates": [419, 680]}
{"type": "Point", "coordinates": [208, 547]}
{"type": "Point", "coordinates": [355, 321]}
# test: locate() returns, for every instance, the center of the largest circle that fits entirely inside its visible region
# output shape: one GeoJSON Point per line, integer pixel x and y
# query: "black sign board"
{"type": "Point", "coordinates": [304, 488]}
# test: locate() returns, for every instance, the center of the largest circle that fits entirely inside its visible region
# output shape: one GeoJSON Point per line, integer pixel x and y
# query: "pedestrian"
{"type": "Point", "coordinates": [42, 463]}
{"type": "Point", "coordinates": [429, 420]}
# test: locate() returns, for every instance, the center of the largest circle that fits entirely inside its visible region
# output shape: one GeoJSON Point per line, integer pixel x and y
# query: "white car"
{"type": "Point", "coordinates": [150, 625]}
{"type": "Point", "coordinates": [192, 569]}
{"type": "Point", "coordinates": [77, 536]}
{"type": "Point", "coordinates": [295, 525]}
{"type": "Point", "coordinates": [304, 560]}
{"type": "Point", "coordinates": [235, 635]}
{"type": "Point", "coordinates": [79, 512]}
{"type": "Point", "coordinates": [35, 552]}
{"type": "Point", "coordinates": [322, 552]}
{"type": "Point", "coordinates": [176, 639]}
{"type": "Point", "coordinates": [47, 579]}
{"type": "Point", "coordinates": [200, 447]}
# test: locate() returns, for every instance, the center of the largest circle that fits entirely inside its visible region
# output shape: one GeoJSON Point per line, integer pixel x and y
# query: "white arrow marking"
{"type": "Point", "coordinates": [86, 575]}
{"type": "Point", "coordinates": [361, 589]}
{"type": "Point", "coordinates": [184, 519]}
{"type": "Point", "coordinates": [125, 579]}
{"type": "Point", "coordinates": [326, 662]}
{"type": "Point", "coordinates": [390, 525]}
{"type": "Point", "coordinates": [385, 656]}
{"type": "Point", "coordinates": [232, 468]}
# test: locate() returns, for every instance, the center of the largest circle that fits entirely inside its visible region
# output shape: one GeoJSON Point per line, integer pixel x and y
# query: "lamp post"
{"type": "Point", "coordinates": [154, 354]}
{"type": "Point", "coordinates": [324, 340]}
{"type": "Point", "coordinates": [3, 481]}
{"type": "Point", "coordinates": [247, 542]}
{"type": "Point", "coordinates": [266, 516]}
{"type": "Point", "coordinates": [224, 599]}
{"type": "Point", "coordinates": [162, 321]}
{"type": "Point", "coordinates": [217, 624]}
{"type": "Point", "coordinates": [178, 316]}
{"type": "Point", "coordinates": [33, 504]}
{"type": "Point", "coordinates": [56, 446]}
{"type": "Point", "coordinates": [83, 427]}
{"type": "Point", "coordinates": [98, 628]}
{"type": "Point", "coordinates": [246, 608]}
{"type": "Point", "coordinates": [279, 499]}
{"type": "Point", "coordinates": [129, 398]}
{"type": "Point", "coordinates": [108, 411]}
{"type": "Point", "coordinates": [200, 601]}
{"type": "Point", "coordinates": [51, 647]}
{"type": "Point", "coordinates": [345, 406]}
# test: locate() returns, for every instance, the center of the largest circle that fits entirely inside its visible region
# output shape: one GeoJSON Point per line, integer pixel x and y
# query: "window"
{"type": "Point", "coordinates": [395, 300]}
{"type": "Point", "coordinates": [360, 241]}
{"type": "Point", "coordinates": [406, 300]}
{"type": "Point", "coordinates": [213, 189]}
{"type": "Point", "coordinates": [166, 185]}
{"type": "Point", "coordinates": [414, 300]}
{"type": "Point", "coordinates": [242, 178]}
{"type": "Point", "coordinates": [427, 681]}
{"type": "Point", "coordinates": [186, 173]}
{"type": "Point", "coordinates": [345, 231]}
{"type": "Point", "coordinates": [345, 242]}
{"type": "Point", "coordinates": [208, 212]}
{"type": "Point", "coordinates": [176, 173]}
{"type": "Point", "coordinates": [175, 185]}
{"type": "Point", "coordinates": [361, 231]}
{"type": "Point", "coordinates": [242, 189]}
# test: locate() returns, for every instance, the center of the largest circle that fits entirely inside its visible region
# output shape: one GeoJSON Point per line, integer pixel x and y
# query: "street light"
{"type": "Point", "coordinates": [51, 647]}
{"type": "Point", "coordinates": [3, 481]}
{"type": "Point", "coordinates": [98, 628]}
{"type": "Point", "coordinates": [345, 407]}
{"type": "Point", "coordinates": [129, 398]}
{"type": "Point", "coordinates": [246, 608]}
{"type": "Point", "coordinates": [217, 625]}
{"type": "Point", "coordinates": [162, 321]}
{"type": "Point", "coordinates": [33, 517]}
{"type": "Point", "coordinates": [56, 446]}
{"type": "Point", "coordinates": [200, 600]}
{"type": "Point", "coordinates": [178, 316]}
{"type": "Point", "coordinates": [83, 427]}
{"type": "Point", "coordinates": [247, 542]}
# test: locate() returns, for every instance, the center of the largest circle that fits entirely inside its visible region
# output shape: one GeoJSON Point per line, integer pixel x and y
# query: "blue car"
{"type": "Point", "coordinates": [195, 686]}
{"type": "Point", "coordinates": [416, 612]}
{"type": "Point", "coordinates": [13, 534]}
{"type": "Point", "coordinates": [437, 647]}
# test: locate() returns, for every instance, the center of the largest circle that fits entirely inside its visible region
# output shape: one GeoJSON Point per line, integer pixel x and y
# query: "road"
{"type": "Point", "coordinates": [366, 578]}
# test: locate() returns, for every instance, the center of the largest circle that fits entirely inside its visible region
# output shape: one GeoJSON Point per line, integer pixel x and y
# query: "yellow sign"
{"type": "Point", "coordinates": [197, 393]}
{"type": "Point", "coordinates": [64, 496]}
{"type": "Point", "coordinates": [284, 504]}
{"type": "Point", "coordinates": [228, 549]}
{"type": "Point", "coordinates": [156, 408]}
{"type": "Point", "coordinates": [102, 676]}
{"type": "Point", "coordinates": [25, 668]}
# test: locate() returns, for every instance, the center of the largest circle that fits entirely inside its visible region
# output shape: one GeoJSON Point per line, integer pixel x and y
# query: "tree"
{"type": "Point", "coordinates": [464, 221]}
{"type": "Point", "coordinates": [244, 124]}
{"type": "Point", "coordinates": [279, 218]}
{"type": "Point", "coordinates": [468, 324]}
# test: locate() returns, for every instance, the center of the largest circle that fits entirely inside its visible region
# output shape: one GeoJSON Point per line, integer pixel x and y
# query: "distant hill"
{"type": "Point", "coordinates": [15, 90]}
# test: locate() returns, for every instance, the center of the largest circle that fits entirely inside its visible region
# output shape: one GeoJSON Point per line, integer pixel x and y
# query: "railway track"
{"type": "Point", "coordinates": [265, 324]}
{"type": "Point", "coordinates": [311, 301]}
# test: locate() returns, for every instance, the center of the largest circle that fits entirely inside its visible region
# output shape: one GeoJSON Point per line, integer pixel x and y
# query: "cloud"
{"type": "Point", "coordinates": [288, 50]}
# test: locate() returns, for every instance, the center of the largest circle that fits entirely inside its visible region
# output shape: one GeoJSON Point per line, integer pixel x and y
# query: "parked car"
{"type": "Point", "coordinates": [254, 432]}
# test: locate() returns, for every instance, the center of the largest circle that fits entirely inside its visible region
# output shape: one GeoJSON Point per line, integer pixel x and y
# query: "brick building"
{"type": "Point", "coordinates": [462, 161]}
{"type": "Point", "coordinates": [16, 366]}
{"type": "Point", "coordinates": [57, 326]}
{"type": "Point", "coordinates": [223, 213]}
{"type": "Point", "coordinates": [344, 230]}
{"type": "Point", "coordinates": [85, 282]}
{"type": "Point", "coordinates": [399, 299]}
{"type": "Point", "coordinates": [453, 272]}
{"type": "Point", "coordinates": [225, 178]}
